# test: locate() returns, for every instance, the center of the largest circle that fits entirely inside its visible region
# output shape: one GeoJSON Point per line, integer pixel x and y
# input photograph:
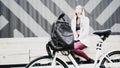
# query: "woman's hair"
{"type": "Point", "coordinates": [83, 12]}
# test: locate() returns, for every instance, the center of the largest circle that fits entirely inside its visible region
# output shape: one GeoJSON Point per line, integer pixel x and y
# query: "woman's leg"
{"type": "Point", "coordinates": [79, 45]}
{"type": "Point", "coordinates": [78, 50]}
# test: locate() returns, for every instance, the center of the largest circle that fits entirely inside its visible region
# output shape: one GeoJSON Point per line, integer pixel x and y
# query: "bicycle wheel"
{"type": "Point", "coordinates": [46, 61]}
{"type": "Point", "coordinates": [113, 56]}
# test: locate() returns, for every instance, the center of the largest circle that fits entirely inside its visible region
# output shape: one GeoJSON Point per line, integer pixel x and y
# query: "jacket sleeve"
{"type": "Point", "coordinates": [87, 26]}
{"type": "Point", "coordinates": [85, 30]}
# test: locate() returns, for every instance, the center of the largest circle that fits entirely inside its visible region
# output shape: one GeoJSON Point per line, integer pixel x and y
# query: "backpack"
{"type": "Point", "coordinates": [62, 35]}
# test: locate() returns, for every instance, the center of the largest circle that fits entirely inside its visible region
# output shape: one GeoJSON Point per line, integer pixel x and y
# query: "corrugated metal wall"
{"type": "Point", "coordinates": [33, 18]}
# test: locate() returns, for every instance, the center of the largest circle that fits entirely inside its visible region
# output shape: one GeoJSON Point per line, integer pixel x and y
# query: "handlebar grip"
{"type": "Point", "coordinates": [61, 16]}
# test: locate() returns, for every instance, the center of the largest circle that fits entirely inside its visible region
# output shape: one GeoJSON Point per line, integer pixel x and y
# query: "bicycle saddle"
{"type": "Point", "coordinates": [104, 33]}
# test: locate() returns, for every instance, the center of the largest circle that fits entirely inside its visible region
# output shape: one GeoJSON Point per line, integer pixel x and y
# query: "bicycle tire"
{"type": "Point", "coordinates": [35, 63]}
{"type": "Point", "coordinates": [112, 56]}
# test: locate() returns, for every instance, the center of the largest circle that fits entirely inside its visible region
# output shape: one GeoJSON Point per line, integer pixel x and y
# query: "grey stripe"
{"type": "Point", "coordinates": [24, 17]}
{"type": "Point", "coordinates": [107, 13]}
{"type": "Point", "coordinates": [3, 22]}
{"type": "Point", "coordinates": [14, 23]}
{"type": "Point", "coordinates": [54, 8]}
{"type": "Point", "coordinates": [116, 28]}
{"type": "Point", "coordinates": [91, 5]}
{"type": "Point", "coordinates": [99, 8]}
{"type": "Point", "coordinates": [17, 33]}
{"type": "Point", "coordinates": [35, 15]}
{"type": "Point", "coordinates": [74, 3]}
{"type": "Point", "coordinates": [64, 7]}
{"type": "Point", "coordinates": [45, 12]}
{"type": "Point", "coordinates": [96, 12]}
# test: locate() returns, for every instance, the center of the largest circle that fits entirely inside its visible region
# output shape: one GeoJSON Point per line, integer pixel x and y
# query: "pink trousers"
{"type": "Point", "coordinates": [78, 47]}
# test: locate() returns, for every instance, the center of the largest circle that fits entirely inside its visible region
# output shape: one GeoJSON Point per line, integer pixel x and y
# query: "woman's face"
{"type": "Point", "coordinates": [78, 10]}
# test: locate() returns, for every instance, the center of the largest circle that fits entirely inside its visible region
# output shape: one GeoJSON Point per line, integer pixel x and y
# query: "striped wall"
{"type": "Point", "coordinates": [33, 18]}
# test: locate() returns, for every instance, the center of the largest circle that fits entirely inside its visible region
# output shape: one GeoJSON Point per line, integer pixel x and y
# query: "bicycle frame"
{"type": "Point", "coordinates": [70, 57]}
{"type": "Point", "coordinates": [73, 61]}
{"type": "Point", "coordinates": [54, 61]}
{"type": "Point", "coordinates": [100, 55]}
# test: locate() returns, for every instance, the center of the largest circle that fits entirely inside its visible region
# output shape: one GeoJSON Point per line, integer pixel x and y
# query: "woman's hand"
{"type": "Point", "coordinates": [78, 12]}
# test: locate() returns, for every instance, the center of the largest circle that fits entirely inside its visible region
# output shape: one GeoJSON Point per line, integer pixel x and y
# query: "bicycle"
{"type": "Point", "coordinates": [102, 60]}
{"type": "Point", "coordinates": [105, 60]}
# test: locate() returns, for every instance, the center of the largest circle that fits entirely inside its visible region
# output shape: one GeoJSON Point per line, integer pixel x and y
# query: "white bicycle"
{"type": "Point", "coordinates": [107, 60]}
{"type": "Point", "coordinates": [103, 60]}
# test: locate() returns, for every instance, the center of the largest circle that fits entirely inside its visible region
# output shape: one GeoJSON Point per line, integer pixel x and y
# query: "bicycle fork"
{"type": "Point", "coordinates": [53, 62]}
{"type": "Point", "coordinates": [73, 61]}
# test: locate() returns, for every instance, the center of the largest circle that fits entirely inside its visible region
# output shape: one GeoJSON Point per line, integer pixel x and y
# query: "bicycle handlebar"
{"type": "Point", "coordinates": [61, 16]}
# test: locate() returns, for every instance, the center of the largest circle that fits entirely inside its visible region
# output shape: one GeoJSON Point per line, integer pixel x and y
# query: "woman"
{"type": "Point", "coordinates": [80, 27]}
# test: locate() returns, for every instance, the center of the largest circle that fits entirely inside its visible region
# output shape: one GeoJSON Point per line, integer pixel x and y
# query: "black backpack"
{"type": "Point", "coordinates": [62, 35]}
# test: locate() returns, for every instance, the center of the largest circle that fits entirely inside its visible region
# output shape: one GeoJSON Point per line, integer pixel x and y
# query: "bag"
{"type": "Point", "coordinates": [62, 35]}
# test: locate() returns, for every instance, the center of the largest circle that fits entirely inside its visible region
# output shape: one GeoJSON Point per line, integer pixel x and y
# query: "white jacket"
{"type": "Point", "coordinates": [84, 29]}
